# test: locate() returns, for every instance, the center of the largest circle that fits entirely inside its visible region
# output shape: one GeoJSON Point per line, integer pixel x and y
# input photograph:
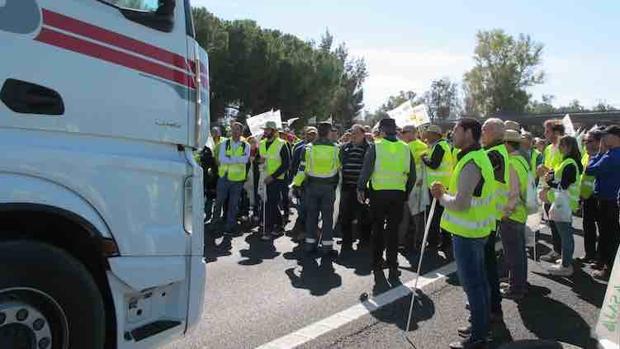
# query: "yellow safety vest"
{"type": "Point", "coordinates": [418, 149]}
{"type": "Point", "coordinates": [520, 165]}
{"type": "Point", "coordinates": [273, 161]}
{"type": "Point", "coordinates": [442, 173]}
{"type": "Point", "coordinates": [392, 163]}
{"type": "Point", "coordinates": [501, 188]}
{"type": "Point", "coordinates": [234, 172]}
{"type": "Point", "coordinates": [322, 161]}
{"type": "Point", "coordinates": [479, 219]}
{"type": "Point", "coordinates": [553, 157]}
{"type": "Point", "coordinates": [534, 160]}
{"type": "Point", "coordinates": [587, 181]}
{"type": "Point", "coordinates": [573, 189]}
{"type": "Point", "coordinates": [216, 149]}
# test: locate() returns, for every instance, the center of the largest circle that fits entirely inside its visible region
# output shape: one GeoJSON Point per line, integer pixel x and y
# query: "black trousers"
{"type": "Point", "coordinates": [351, 209]}
{"type": "Point", "coordinates": [437, 237]}
{"type": "Point", "coordinates": [386, 207]}
{"type": "Point", "coordinates": [490, 262]}
{"type": "Point", "coordinates": [609, 234]}
{"type": "Point", "coordinates": [555, 236]}
{"type": "Point", "coordinates": [590, 217]}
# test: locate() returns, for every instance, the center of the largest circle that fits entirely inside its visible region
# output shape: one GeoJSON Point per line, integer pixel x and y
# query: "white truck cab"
{"type": "Point", "coordinates": [102, 103]}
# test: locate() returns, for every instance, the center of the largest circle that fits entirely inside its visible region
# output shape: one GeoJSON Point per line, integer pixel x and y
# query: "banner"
{"type": "Point", "coordinates": [406, 114]}
{"type": "Point", "coordinates": [257, 122]}
{"type": "Point", "coordinates": [608, 327]}
{"type": "Point", "coordinates": [569, 129]}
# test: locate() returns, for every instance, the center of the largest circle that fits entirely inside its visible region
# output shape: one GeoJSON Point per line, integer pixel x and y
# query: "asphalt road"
{"type": "Point", "coordinates": [258, 292]}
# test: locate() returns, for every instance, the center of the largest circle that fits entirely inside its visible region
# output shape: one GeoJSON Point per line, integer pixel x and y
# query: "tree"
{"type": "Point", "coordinates": [504, 69]}
{"type": "Point", "coordinates": [546, 106]}
{"type": "Point", "coordinates": [349, 97]}
{"type": "Point", "coordinates": [603, 106]}
{"type": "Point", "coordinates": [442, 100]}
{"type": "Point", "coordinates": [573, 107]}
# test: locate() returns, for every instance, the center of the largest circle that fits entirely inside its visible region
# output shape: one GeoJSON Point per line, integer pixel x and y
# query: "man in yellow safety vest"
{"type": "Point", "coordinates": [389, 172]}
{"type": "Point", "coordinates": [233, 158]}
{"type": "Point", "coordinates": [276, 159]}
{"type": "Point", "coordinates": [439, 163]}
{"type": "Point", "coordinates": [589, 202]}
{"type": "Point", "coordinates": [469, 216]}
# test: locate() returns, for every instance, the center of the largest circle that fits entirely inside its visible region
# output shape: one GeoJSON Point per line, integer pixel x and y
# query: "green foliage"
{"type": "Point", "coordinates": [255, 69]}
{"type": "Point", "coordinates": [442, 100]}
{"type": "Point", "coordinates": [504, 68]}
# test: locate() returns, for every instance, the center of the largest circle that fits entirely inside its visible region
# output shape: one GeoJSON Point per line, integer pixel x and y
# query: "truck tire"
{"type": "Point", "coordinates": [48, 299]}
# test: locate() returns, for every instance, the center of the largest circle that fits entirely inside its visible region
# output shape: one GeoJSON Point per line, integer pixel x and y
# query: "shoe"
{"type": "Point", "coordinates": [551, 257]}
{"type": "Point", "coordinates": [560, 270]}
{"type": "Point", "coordinates": [265, 237]}
{"type": "Point", "coordinates": [509, 293]}
{"type": "Point", "coordinates": [469, 344]}
{"type": "Point", "coordinates": [598, 266]}
{"type": "Point", "coordinates": [586, 259]}
{"type": "Point", "coordinates": [602, 274]}
{"type": "Point", "coordinates": [394, 275]}
{"type": "Point", "coordinates": [503, 285]}
{"type": "Point", "coordinates": [464, 332]}
{"type": "Point", "coordinates": [329, 251]}
{"type": "Point", "coordinates": [363, 245]}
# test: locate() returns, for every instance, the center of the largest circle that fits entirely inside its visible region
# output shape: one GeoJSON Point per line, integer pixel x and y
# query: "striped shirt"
{"type": "Point", "coordinates": [352, 158]}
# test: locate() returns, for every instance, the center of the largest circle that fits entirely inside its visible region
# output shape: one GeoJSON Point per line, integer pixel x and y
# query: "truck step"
{"type": "Point", "coordinates": [151, 329]}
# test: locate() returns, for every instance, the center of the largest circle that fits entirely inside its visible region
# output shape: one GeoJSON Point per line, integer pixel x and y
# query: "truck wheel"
{"type": "Point", "coordinates": [47, 299]}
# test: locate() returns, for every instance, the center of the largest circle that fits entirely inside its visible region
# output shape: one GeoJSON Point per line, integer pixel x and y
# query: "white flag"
{"type": "Point", "coordinates": [569, 129]}
{"type": "Point", "coordinates": [406, 114]}
{"type": "Point", "coordinates": [257, 122]}
{"type": "Point", "coordinates": [312, 120]}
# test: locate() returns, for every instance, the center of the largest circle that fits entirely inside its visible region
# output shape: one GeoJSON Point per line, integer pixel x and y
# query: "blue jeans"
{"type": "Point", "coordinates": [319, 198]}
{"type": "Point", "coordinates": [231, 191]}
{"type": "Point", "coordinates": [513, 240]}
{"type": "Point", "coordinates": [565, 230]}
{"type": "Point", "coordinates": [471, 270]}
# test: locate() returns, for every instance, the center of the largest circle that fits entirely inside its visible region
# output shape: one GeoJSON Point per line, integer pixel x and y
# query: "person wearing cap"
{"type": "Point", "coordinates": [512, 224]}
{"type": "Point", "coordinates": [352, 159]}
{"type": "Point", "coordinates": [274, 154]}
{"type": "Point", "coordinates": [469, 217]}
{"type": "Point", "coordinates": [321, 165]}
{"type": "Point", "coordinates": [493, 143]}
{"type": "Point", "coordinates": [439, 167]}
{"type": "Point", "coordinates": [233, 159]}
{"type": "Point", "coordinates": [554, 130]}
{"type": "Point", "coordinates": [605, 167]}
{"type": "Point", "coordinates": [389, 173]}
{"type": "Point", "coordinates": [310, 135]}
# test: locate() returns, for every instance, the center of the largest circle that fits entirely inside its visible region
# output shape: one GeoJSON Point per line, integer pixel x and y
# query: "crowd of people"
{"type": "Point", "coordinates": [484, 181]}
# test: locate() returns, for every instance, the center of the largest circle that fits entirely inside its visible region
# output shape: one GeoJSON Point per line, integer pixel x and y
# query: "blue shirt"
{"type": "Point", "coordinates": [606, 169]}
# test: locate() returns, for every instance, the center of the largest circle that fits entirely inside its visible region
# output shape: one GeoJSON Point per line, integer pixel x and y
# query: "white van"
{"type": "Point", "coordinates": [102, 103]}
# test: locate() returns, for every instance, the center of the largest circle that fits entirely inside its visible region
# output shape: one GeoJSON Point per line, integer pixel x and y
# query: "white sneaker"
{"type": "Point", "coordinates": [560, 270]}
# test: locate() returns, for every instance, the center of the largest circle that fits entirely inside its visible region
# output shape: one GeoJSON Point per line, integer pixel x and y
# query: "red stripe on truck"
{"type": "Point", "coordinates": [75, 44]}
{"type": "Point", "coordinates": [76, 26]}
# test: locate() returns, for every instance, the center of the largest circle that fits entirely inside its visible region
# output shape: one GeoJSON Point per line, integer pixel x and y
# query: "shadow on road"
{"type": "Point", "coordinates": [582, 285]}
{"type": "Point", "coordinates": [397, 312]}
{"type": "Point", "coordinates": [258, 251]}
{"type": "Point", "coordinates": [317, 277]}
{"type": "Point", "coordinates": [549, 319]}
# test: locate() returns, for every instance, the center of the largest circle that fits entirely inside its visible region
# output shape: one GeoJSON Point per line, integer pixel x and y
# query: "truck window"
{"type": "Point", "coordinates": [155, 14]}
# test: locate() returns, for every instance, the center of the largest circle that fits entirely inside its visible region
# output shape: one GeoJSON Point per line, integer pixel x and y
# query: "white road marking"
{"type": "Point", "coordinates": [355, 312]}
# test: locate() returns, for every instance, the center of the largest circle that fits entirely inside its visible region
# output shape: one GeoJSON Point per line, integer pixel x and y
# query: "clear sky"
{"type": "Point", "coordinates": [407, 44]}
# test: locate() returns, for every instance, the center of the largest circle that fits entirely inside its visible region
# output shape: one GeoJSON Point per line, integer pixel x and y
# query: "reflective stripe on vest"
{"type": "Point", "coordinates": [501, 189]}
{"type": "Point", "coordinates": [392, 164]}
{"type": "Point", "coordinates": [273, 161]}
{"type": "Point", "coordinates": [587, 182]}
{"type": "Point", "coordinates": [573, 189]}
{"type": "Point", "coordinates": [322, 161]}
{"type": "Point", "coordinates": [479, 219]}
{"type": "Point", "coordinates": [444, 171]}
{"type": "Point", "coordinates": [520, 165]}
